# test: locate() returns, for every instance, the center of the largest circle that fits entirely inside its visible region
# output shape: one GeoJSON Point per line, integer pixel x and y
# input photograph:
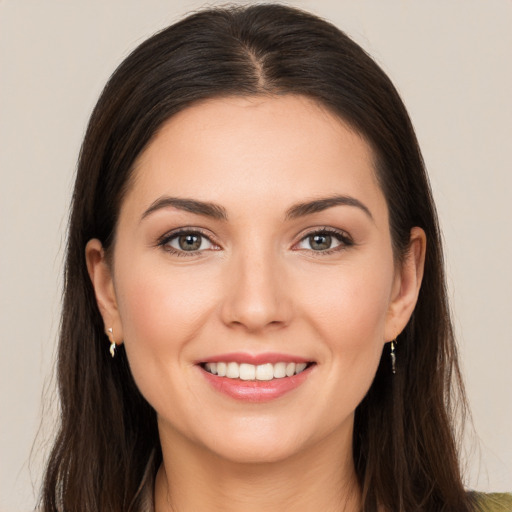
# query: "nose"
{"type": "Point", "coordinates": [256, 297]}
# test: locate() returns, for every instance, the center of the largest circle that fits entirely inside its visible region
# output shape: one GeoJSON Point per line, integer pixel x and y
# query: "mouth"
{"type": "Point", "coordinates": [256, 377]}
{"type": "Point", "coordinates": [251, 372]}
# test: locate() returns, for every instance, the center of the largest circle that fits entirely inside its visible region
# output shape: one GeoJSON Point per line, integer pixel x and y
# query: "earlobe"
{"type": "Point", "coordinates": [103, 284]}
{"type": "Point", "coordinates": [407, 285]}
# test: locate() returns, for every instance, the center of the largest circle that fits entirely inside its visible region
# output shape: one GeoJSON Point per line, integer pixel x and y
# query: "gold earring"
{"type": "Point", "coordinates": [113, 343]}
{"type": "Point", "coordinates": [393, 356]}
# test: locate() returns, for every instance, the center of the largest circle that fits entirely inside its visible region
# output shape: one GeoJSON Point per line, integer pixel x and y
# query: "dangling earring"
{"type": "Point", "coordinates": [393, 357]}
{"type": "Point", "coordinates": [113, 343]}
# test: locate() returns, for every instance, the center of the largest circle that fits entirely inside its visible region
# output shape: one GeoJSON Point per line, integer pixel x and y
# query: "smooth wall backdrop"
{"type": "Point", "coordinates": [452, 63]}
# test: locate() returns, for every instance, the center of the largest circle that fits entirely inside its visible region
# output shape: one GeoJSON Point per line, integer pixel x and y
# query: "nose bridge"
{"type": "Point", "coordinates": [255, 296]}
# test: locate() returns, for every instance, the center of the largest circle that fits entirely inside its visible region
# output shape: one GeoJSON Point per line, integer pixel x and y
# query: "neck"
{"type": "Point", "coordinates": [321, 477]}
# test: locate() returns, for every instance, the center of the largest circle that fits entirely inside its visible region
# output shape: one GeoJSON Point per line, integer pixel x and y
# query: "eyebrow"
{"type": "Point", "coordinates": [318, 205]}
{"type": "Point", "coordinates": [218, 212]}
{"type": "Point", "coordinates": [189, 205]}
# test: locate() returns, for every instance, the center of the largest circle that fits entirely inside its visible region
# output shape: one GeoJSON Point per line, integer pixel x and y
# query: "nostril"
{"type": "Point", "coordinates": [256, 302]}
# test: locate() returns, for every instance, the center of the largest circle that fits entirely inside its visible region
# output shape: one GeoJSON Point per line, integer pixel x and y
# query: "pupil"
{"type": "Point", "coordinates": [320, 242]}
{"type": "Point", "coordinates": [190, 242]}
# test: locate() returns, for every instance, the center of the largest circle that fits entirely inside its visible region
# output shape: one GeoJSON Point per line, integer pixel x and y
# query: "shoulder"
{"type": "Point", "coordinates": [495, 502]}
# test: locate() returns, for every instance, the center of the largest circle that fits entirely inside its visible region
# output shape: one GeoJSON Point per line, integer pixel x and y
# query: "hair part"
{"type": "Point", "coordinates": [404, 446]}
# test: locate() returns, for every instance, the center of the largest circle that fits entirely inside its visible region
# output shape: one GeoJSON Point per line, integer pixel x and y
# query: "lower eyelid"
{"type": "Point", "coordinates": [343, 238]}
{"type": "Point", "coordinates": [165, 241]}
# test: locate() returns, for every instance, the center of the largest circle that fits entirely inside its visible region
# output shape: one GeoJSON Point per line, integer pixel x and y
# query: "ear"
{"type": "Point", "coordinates": [406, 286]}
{"type": "Point", "coordinates": [103, 284]}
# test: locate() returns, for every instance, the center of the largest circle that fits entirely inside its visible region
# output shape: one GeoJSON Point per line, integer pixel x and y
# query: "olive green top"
{"type": "Point", "coordinates": [497, 502]}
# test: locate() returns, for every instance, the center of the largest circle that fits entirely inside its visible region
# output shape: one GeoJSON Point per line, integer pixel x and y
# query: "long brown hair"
{"type": "Point", "coordinates": [404, 447]}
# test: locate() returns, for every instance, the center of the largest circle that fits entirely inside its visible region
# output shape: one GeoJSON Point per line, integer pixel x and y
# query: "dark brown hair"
{"type": "Point", "coordinates": [404, 446]}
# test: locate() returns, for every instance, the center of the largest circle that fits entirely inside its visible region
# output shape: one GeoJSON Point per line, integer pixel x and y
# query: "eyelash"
{"type": "Point", "coordinates": [341, 236]}
{"type": "Point", "coordinates": [167, 238]}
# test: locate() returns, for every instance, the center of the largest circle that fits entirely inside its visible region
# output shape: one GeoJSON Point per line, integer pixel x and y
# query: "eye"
{"type": "Point", "coordinates": [187, 242]}
{"type": "Point", "coordinates": [325, 240]}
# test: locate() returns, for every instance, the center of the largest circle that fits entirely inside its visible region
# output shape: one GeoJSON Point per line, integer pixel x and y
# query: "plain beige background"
{"type": "Point", "coordinates": [451, 61]}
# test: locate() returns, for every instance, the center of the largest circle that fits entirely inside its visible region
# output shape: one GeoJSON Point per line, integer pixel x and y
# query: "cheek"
{"type": "Point", "coordinates": [349, 306]}
{"type": "Point", "coordinates": [350, 318]}
{"type": "Point", "coordinates": [160, 314]}
{"type": "Point", "coordinates": [158, 306]}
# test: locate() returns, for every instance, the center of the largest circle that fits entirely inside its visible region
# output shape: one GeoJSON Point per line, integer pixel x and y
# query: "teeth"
{"type": "Point", "coordinates": [245, 371]}
{"type": "Point", "coordinates": [265, 372]}
{"type": "Point", "coordinates": [300, 367]}
{"type": "Point", "coordinates": [279, 370]}
{"type": "Point", "coordinates": [290, 369]}
{"type": "Point", "coordinates": [221, 369]}
{"type": "Point", "coordinates": [233, 371]}
{"type": "Point", "coordinates": [212, 368]}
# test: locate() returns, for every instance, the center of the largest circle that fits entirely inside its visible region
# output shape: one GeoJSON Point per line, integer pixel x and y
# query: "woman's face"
{"type": "Point", "coordinates": [255, 236]}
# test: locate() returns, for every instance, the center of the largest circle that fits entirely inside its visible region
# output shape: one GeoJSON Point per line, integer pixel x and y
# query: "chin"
{"type": "Point", "coordinates": [267, 440]}
{"type": "Point", "coordinates": [257, 451]}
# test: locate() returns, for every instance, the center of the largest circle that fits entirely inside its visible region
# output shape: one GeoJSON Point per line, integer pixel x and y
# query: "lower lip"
{"type": "Point", "coordinates": [256, 390]}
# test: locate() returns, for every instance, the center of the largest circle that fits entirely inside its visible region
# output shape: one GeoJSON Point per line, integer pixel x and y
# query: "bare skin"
{"type": "Point", "coordinates": [260, 486]}
{"type": "Point", "coordinates": [294, 257]}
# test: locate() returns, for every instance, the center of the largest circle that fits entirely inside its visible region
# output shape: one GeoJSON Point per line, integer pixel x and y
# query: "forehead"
{"type": "Point", "coordinates": [264, 149]}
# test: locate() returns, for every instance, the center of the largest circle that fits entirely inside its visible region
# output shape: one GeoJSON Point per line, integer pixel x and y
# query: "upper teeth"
{"type": "Point", "coordinates": [245, 371]}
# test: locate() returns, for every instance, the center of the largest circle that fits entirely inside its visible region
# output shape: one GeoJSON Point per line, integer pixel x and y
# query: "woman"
{"type": "Point", "coordinates": [255, 315]}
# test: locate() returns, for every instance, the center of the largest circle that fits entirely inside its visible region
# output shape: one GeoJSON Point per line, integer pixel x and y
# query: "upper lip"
{"type": "Point", "coordinates": [255, 359]}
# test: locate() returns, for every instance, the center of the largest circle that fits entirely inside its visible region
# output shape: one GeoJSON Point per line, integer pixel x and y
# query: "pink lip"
{"type": "Point", "coordinates": [255, 390]}
{"type": "Point", "coordinates": [242, 357]}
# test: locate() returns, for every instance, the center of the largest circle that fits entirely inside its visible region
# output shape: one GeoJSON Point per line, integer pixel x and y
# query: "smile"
{"type": "Point", "coordinates": [256, 378]}
{"type": "Point", "coordinates": [251, 372]}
